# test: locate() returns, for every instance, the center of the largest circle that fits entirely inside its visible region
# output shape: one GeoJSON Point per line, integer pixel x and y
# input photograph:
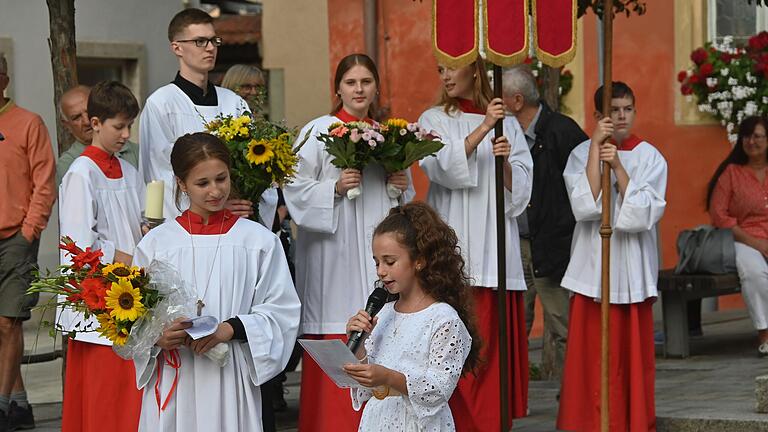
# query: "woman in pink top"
{"type": "Point", "coordinates": [737, 198]}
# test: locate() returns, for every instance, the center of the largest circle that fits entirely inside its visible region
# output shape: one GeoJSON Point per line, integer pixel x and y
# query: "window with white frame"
{"type": "Point", "coordinates": [735, 18]}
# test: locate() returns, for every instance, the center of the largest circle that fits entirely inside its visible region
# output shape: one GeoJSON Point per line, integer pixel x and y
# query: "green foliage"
{"type": "Point", "coordinates": [626, 7]}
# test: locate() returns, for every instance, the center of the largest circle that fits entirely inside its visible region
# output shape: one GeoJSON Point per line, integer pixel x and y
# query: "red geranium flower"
{"type": "Point", "coordinates": [706, 69]}
{"type": "Point", "coordinates": [681, 76]}
{"type": "Point", "coordinates": [686, 89]}
{"type": "Point", "coordinates": [93, 293]}
{"type": "Point", "coordinates": [694, 79]}
{"type": "Point", "coordinates": [699, 56]}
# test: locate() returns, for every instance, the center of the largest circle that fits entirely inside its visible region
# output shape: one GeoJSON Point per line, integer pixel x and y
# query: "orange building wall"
{"type": "Point", "coordinates": [643, 58]}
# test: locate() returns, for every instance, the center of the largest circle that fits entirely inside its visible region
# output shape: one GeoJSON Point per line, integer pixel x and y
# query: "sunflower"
{"type": "Point", "coordinates": [121, 271]}
{"type": "Point", "coordinates": [125, 301]}
{"type": "Point", "coordinates": [397, 122]}
{"type": "Point", "coordinates": [108, 329]}
{"type": "Point", "coordinates": [259, 151]}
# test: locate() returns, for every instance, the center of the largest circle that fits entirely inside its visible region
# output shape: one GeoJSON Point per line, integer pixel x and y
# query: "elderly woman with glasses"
{"type": "Point", "coordinates": [247, 81]}
{"type": "Point", "coordinates": [737, 198]}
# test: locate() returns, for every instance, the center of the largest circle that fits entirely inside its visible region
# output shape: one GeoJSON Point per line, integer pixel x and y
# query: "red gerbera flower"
{"type": "Point", "coordinates": [94, 293]}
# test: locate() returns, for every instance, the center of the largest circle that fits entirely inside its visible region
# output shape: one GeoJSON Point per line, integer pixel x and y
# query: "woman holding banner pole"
{"type": "Point", "coordinates": [462, 190]}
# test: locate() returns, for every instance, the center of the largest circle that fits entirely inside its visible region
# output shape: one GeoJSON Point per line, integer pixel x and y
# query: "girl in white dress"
{"type": "Point", "coordinates": [334, 275]}
{"type": "Point", "coordinates": [421, 344]}
{"type": "Point", "coordinates": [240, 274]}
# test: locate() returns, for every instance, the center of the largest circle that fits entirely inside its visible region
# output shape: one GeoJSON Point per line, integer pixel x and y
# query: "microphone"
{"type": "Point", "coordinates": [376, 301]}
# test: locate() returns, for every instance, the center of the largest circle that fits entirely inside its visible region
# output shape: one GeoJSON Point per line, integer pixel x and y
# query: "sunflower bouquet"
{"type": "Point", "coordinates": [130, 306]}
{"type": "Point", "coordinates": [116, 295]}
{"type": "Point", "coordinates": [404, 143]}
{"type": "Point", "coordinates": [352, 145]}
{"type": "Point", "coordinates": [262, 153]}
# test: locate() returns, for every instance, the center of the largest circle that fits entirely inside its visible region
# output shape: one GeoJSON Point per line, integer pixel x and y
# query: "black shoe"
{"type": "Point", "coordinates": [3, 422]}
{"type": "Point", "coordinates": [20, 418]}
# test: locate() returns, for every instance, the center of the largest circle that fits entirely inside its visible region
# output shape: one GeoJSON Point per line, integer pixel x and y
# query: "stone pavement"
{"type": "Point", "coordinates": [714, 390]}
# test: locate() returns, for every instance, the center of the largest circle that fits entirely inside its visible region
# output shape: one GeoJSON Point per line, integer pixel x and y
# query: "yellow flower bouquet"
{"type": "Point", "coordinates": [262, 153]}
{"type": "Point", "coordinates": [115, 294]}
{"type": "Point", "coordinates": [131, 305]}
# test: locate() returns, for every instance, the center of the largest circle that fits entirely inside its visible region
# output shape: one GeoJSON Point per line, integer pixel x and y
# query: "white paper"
{"type": "Point", "coordinates": [331, 355]}
{"type": "Point", "coordinates": [202, 326]}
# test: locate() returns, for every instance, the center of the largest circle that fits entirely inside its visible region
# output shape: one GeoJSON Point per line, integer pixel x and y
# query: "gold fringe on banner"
{"type": "Point", "coordinates": [446, 59]}
{"type": "Point", "coordinates": [506, 60]}
{"type": "Point", "coordinates": [548, 59]}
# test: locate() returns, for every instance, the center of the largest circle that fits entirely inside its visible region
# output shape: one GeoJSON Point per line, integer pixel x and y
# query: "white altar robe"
{"type": "Point", "coordinates": [335, 271]}
{"type": "Point", "coordinates": [249, 278]}
{"type": "Point", "coordinates": [462, 190]}
{"type": "Point", "coordinates": [634, 253]}
{"type": "Point", "coordinates": [169, 114]}
{"type": "Point", "coordinates": [100, 213]}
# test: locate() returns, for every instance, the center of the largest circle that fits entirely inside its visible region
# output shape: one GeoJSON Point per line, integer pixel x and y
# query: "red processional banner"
{"type": "Point", "coordinates": [505, 31]}
{"type": "Point", "coordinates": [554, 31]}
{"type": "Point", "coordinates": [454, 32]}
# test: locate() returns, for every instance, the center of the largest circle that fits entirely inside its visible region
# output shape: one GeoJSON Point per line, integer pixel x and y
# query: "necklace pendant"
{"type": "Point", "coordinates": [200, 306]}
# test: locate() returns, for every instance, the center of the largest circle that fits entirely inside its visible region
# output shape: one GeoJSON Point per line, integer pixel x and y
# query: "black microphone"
{"type": "Point", "coordinates": [376, 301]}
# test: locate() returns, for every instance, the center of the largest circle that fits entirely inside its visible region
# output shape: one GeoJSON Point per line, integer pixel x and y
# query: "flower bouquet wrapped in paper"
{"type": "Point", "coordinates": [262, 153]}
{"type": "Point", "coordinates": [352, 146]}
{"type": "Point", "coordinates": [131, 305]}
{"type": "Point", "coordinates": [404, 143]}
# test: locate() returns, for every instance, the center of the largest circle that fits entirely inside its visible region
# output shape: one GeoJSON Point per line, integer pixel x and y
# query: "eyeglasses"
{"type": "Point", "coordinates": [203, 42]}
{"type": "Point", "coordinates": [249, 87]}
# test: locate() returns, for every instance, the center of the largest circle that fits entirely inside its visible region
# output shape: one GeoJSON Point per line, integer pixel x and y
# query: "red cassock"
{"type": "Point", "coordinates": [99, 390]}
{"type": "Point", "coordinates": [475, 402]}
{"type": "Point", "coordinates": [323, 407]}
{"type": "Point", "coordinates": [632, 368]}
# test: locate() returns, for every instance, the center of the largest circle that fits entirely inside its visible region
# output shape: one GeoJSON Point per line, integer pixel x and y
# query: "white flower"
{"type": "Point", "coordinates": [729, 127]}
{"type": "Point", "coordinates": [732, 138]}
{"type": "Point", "coordinates": [711, 82]}
{"type": "Point", "coordinates": [372, 143]}
{"type": "Point", "coordinates": [403, 132]}
{"type": "Point", "coordinates": [534, 72]}
{"type": "Point", "coordinates": [751, 108]}
{"type": "Point", "coordinates": [732, 81]}
{"type": "Point", "coordinates": [724, 71]}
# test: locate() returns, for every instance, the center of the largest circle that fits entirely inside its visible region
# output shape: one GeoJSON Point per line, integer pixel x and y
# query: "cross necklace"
{"type": "Point", "coordinates": [200, 304]}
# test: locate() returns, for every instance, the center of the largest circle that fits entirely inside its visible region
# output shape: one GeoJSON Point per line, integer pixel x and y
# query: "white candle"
{"type": "Point", "coordinates": [154, 203]}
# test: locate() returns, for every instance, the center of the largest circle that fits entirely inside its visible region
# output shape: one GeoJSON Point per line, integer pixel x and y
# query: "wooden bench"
{"type": "Point", "coordinates": [676, 290]}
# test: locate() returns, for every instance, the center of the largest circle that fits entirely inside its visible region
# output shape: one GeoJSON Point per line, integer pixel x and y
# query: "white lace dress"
{"type": "Point", "coordinates": [429, 347]}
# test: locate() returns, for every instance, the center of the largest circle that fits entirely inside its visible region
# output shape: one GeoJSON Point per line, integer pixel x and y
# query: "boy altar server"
{"type": "Point", "coordinates": [638, 184]}
{"type": "Point", "coordinates": [100, 208]}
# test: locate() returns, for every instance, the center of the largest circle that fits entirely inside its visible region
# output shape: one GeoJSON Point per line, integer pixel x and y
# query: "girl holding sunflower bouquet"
{"type": "Point", "coordinates": [100, 208]}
